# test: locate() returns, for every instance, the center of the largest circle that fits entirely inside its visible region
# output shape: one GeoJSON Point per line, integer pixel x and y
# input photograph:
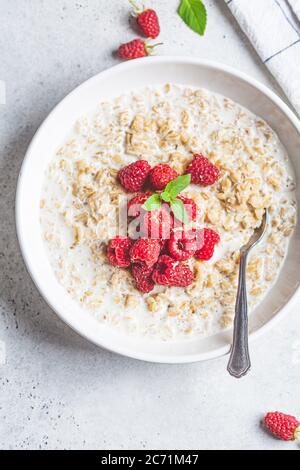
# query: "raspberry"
{"type": "Point", "coordinates": [182, 276]}
{"type": "Point", "coordinates": [163, 246]}
{"type": "Point", "coordinates": [145, 250]}
{"type": "Point", "coordinates": [118, 251]}
{"type": "Point", "coordinates": [190, 206]}
{"type": "Point", "coordinates": [283, 426]}
{"type": "Point", "coordinates": [182, 245]}
{"type": "Point", "coordinates": [191, 209]}
{"type": "Point", "coordinates": [161, 175]}
{"type": "Point", "coordinates": [158, 223]}
{"type": "Point", "coordinates": [169, 272]}
{"type": "Point", "coordinates": [202, 171]}
{"type": "Point", "coordinates": [143, 278]}
{"type": "Point", "coordinates": [209, 239]}
{"type": "Point", "coordinates": [161, 273]}
{"type": "Point", "coordinates": [133, 176]}
{"type": "Point", "coordinates": [148, 21]}
{"type": "Point", "coordinates": [135, 49]}
{"type": "Point", "coordinates": [132, 50]}
{"type": "Point", "coordinates": [134, 206]}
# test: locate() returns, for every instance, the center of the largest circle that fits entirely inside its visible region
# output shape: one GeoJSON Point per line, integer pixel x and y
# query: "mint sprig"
{"type": "Point", "coordinates": [194, 14]}
{"type": "Point", "coordinates": [175, 187]}
{"type": "Point", "coordinates": [153, 203]}
{"type": "Point", "coordinates": [170, 193]}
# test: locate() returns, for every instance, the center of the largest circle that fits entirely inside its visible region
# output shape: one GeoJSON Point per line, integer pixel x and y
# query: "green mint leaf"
{"type": "Point", "coordinates": [153, 203]}
{"type": "Point", "coordinates": [165, 196]}
{"type": "Point", "coordinates": [175, 187]}
{"type": "Point", "coordinates": [193, 13]}
{"type": "Point", "coordinates": [179, 211]}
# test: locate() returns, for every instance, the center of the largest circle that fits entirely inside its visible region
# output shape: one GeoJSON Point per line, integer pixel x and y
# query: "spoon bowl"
{"type": "Point", "coordinates": [257, 235]}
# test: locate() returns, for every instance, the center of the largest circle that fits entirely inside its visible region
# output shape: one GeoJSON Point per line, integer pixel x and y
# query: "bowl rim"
{"type": "Point", "coordinates": [149, 357]}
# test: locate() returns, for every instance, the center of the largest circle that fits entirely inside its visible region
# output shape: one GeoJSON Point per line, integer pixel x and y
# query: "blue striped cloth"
{"type": "Point", "coordinates": [273, 27]}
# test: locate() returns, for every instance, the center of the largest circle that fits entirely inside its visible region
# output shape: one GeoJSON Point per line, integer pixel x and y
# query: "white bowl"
{"type": "Point", "coordinates": [109, 84]}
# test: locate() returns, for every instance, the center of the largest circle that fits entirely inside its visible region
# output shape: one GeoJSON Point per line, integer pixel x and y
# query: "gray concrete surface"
{"type": "Point", "coordinates": [57, 390]}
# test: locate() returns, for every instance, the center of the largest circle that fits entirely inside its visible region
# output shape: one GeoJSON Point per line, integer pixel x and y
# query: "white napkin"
{"type": "Point", "coordinates": [295, 5]}
{"type": "Point", "coordinates": [273, 27]}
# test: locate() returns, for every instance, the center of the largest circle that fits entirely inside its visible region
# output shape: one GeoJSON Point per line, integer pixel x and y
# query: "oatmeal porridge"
{"type": "Point", "coordinates": [80, 207]}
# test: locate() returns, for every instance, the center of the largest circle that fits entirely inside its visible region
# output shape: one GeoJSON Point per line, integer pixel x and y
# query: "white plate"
{"type": "Point", "coordinates": [111, 83]}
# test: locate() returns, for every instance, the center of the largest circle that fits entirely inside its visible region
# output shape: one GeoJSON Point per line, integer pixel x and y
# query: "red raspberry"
{"type": "Point", "coordinates": [158, 224]}
{"type": "Point", "coordinates": [133, 176]}
{"type": "Point", "coordinates": [182, 245]}
{"type": "Point", "coordinates": [161, 273]}
{"type": "Point", "coordinates": [190, 206]}
{"type": "Point", "coordinates": [134, 206]}
{"type": "Point", "coordinates": [147, 20]}
{"type": "Point", "coordinates": [209, 239]}
{"type": "Point", "coordinates": [163, 247]}
{"type": "Point", "coordinates": [118, 251]}
{"type": "Point", "coordinates": [145, 250]}
{"type": "Point", "coordinates": [169, 272]}
{"type": "Point", "coordinates": [143, 278]}
{"type": "Point", "coordinates": [182, 276]}
{"type": "Point", "coordinates": [191, 209]}
{"type": "Point", "coordinates": [149, 23]}
{"type": "Point", "coordinates": [283, 426]}
{"type": "Point", "coordinates": [161, 175]}
{"type": "Point", "coordinates": [203, 172]}
{"type": "Point", "coordinates": [135, 49]}
{"type": "Point", "coordinates": [132, 50]}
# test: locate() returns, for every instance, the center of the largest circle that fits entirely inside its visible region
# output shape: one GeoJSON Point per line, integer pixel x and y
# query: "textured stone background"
{"type": "Point", "coordinates": [57, 390]}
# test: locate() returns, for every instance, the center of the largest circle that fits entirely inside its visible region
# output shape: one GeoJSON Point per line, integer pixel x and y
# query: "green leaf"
{"type": "Point", "coordinates": [193, 13]}
{"type": "Point", "coordinates": [153, 203]}
{"type": "Point", "coordinates": [179, 211]}
{"type": "Point", "coordinates": [165, 196]}
{"type": "Point", "coordinates": [175, 187]}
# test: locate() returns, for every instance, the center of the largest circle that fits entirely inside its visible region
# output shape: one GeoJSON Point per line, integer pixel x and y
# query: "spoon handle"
{"type": "Point", "coordinates": [239, 362]}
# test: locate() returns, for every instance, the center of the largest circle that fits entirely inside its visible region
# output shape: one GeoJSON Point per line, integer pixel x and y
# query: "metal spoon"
{"type": "Point", "coordinates": [239, 362]}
